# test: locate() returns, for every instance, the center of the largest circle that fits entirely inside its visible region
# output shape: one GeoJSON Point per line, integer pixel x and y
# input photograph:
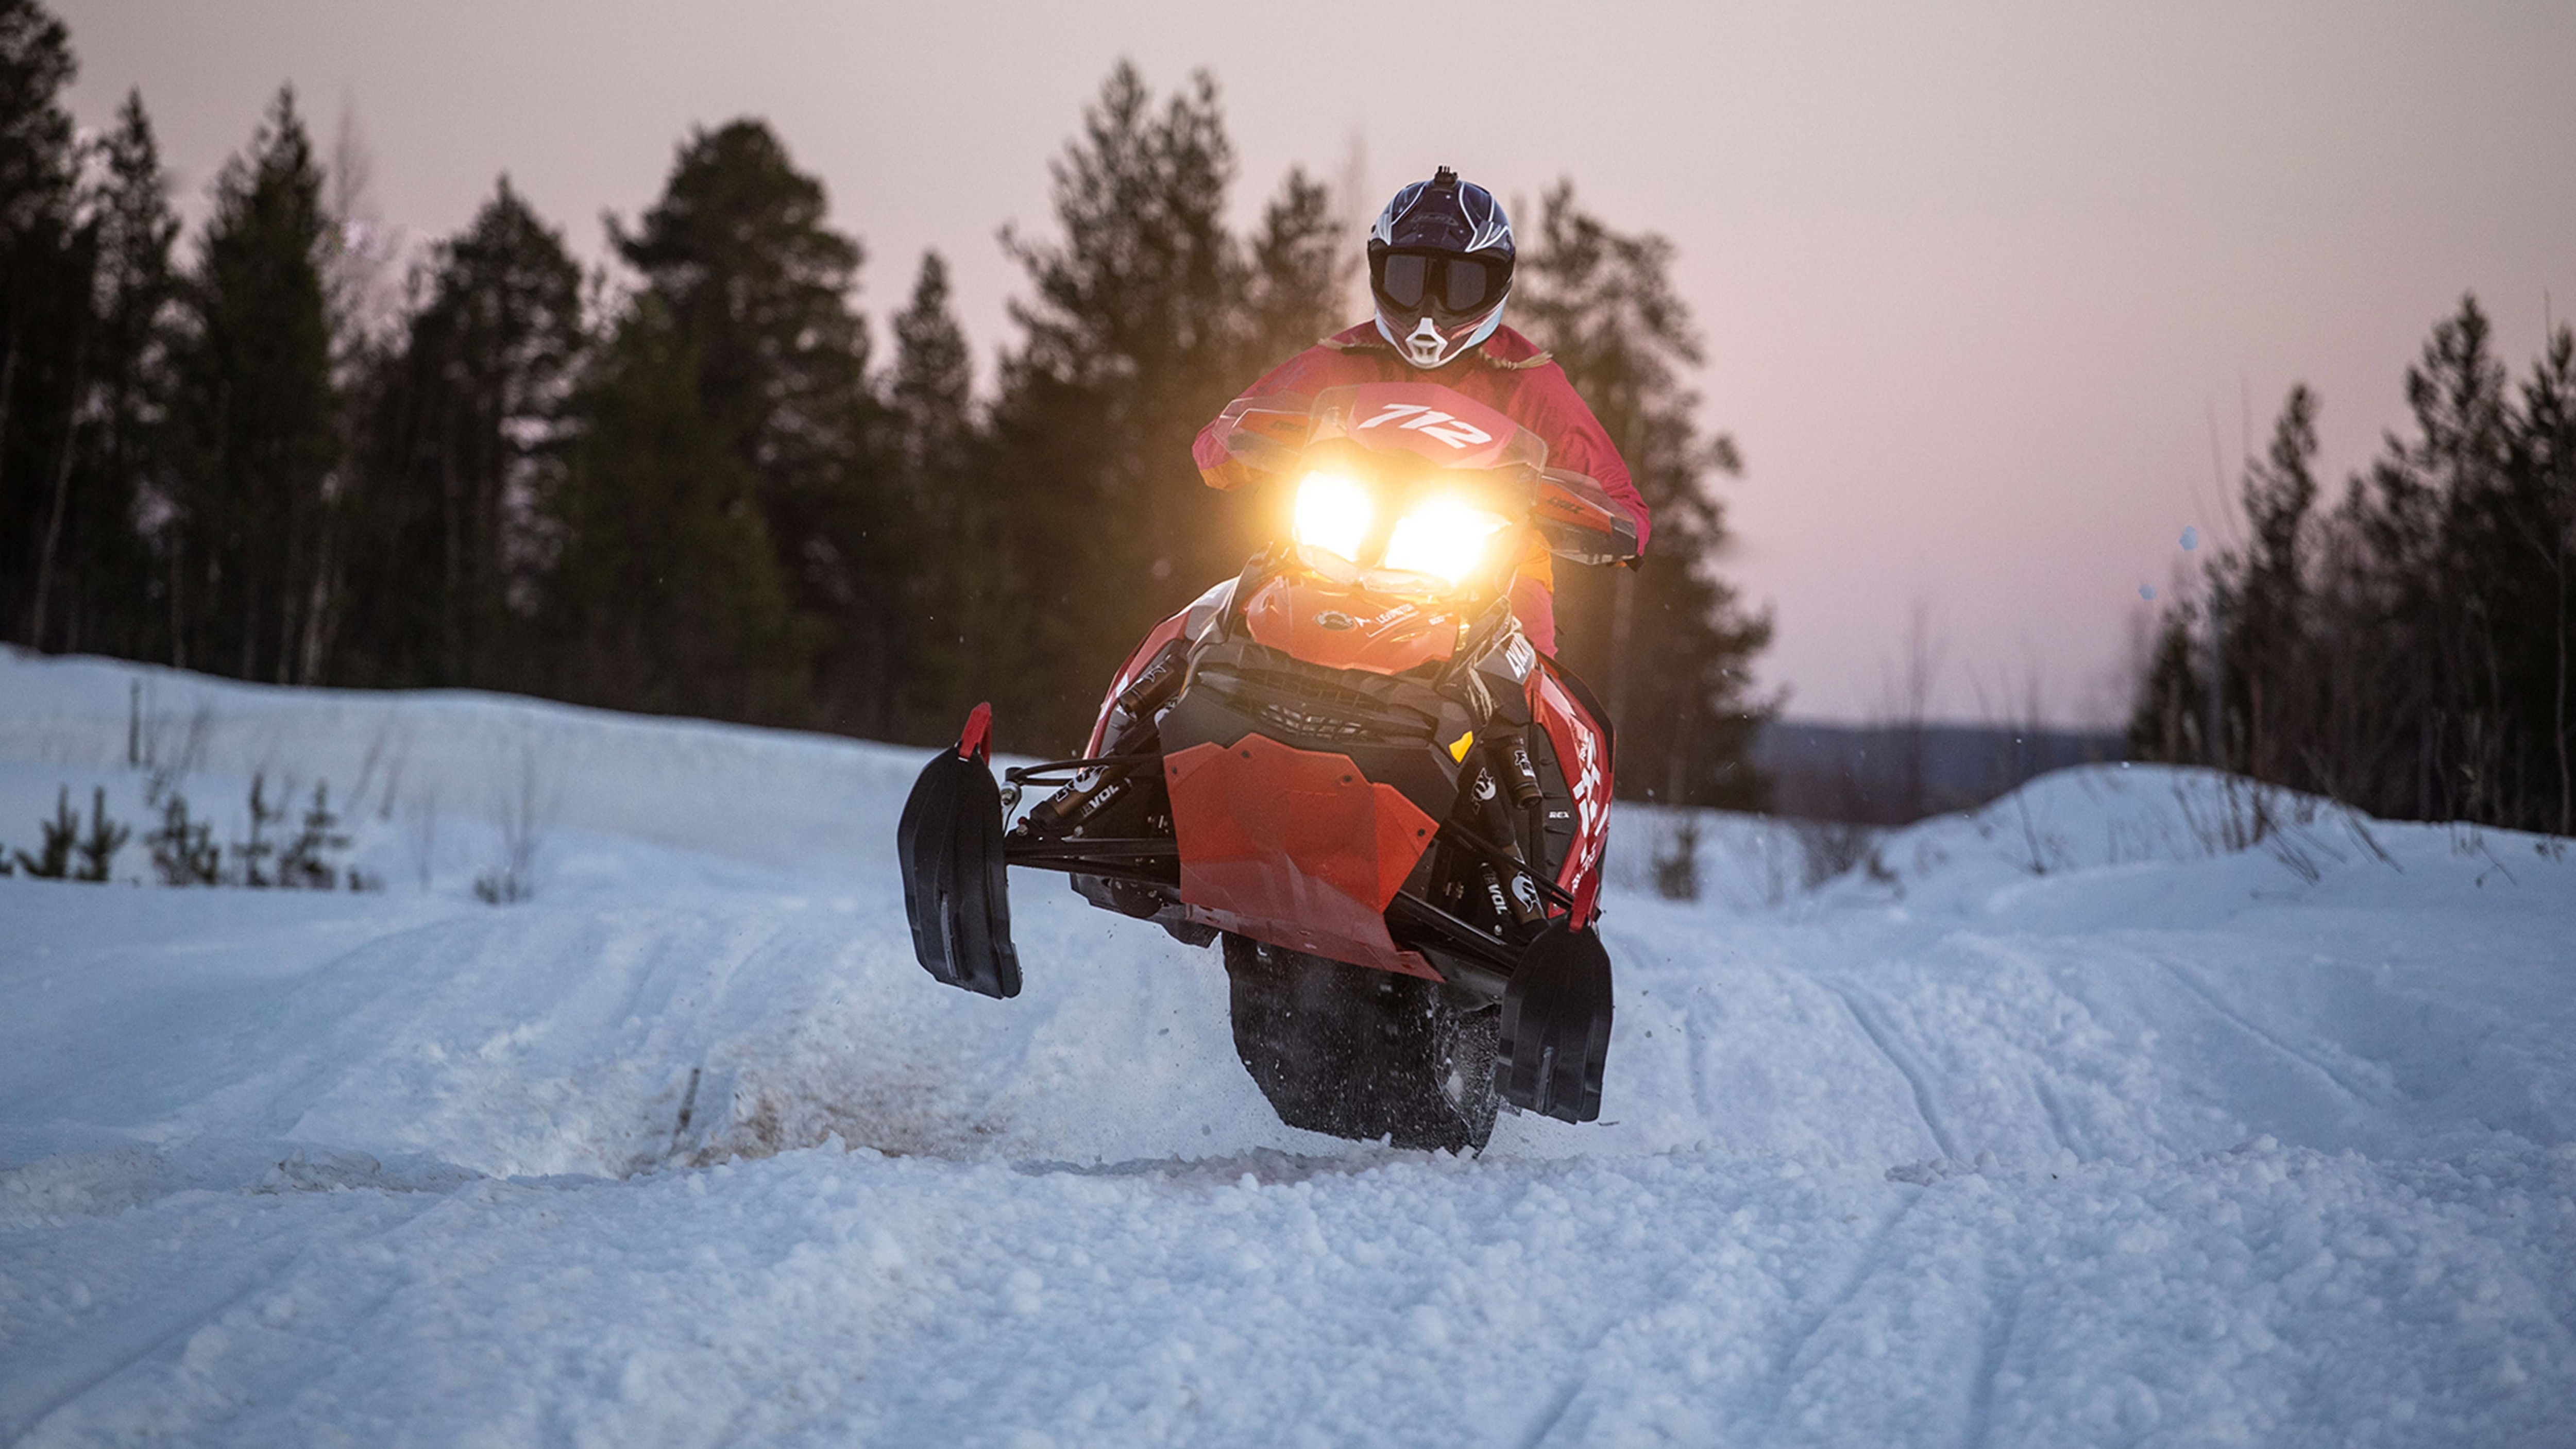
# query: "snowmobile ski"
{"type": "Point", "coordinates": [955, 890]}
{"type": "Point", "coordinates": [1556, 1026]}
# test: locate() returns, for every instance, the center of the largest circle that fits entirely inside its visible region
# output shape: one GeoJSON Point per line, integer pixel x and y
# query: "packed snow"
{"type": "Point", "coordinates": [2137, 1108]}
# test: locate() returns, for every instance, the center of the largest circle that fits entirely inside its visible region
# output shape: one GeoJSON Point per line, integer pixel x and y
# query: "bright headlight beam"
{"type": "Point", "coordinates": [1334, 513]}
{"type": "Point", "coordinates": [1445, 536]}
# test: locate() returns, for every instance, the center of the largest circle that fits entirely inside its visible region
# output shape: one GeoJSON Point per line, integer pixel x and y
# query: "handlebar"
{"type": "Point", "coordinates": [1574, 514]}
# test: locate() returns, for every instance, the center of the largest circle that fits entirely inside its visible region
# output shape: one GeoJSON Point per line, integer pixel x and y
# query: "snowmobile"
{"type": "Point", "coordinates": [1350, 765]}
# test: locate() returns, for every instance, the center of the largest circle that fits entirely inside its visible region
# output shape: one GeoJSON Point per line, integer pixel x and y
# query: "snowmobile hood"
{"type": "Point", "coordinates": [1344, 626]}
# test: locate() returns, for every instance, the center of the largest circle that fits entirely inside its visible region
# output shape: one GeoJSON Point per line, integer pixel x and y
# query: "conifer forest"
{"type": "Point", "coordinates": [694, 482]}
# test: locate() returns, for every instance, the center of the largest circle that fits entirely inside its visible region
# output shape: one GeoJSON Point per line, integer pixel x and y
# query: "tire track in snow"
{"type": "Point", "coordinates": [1581, 1378]}
{"type": "Point", "coordinates": [2247, 1025]}
{"type": "Point", "coordinates": [189, 1316]}
{"type": "Point", "coordinates": [1864, 1267]}
{"type": "Point", "coordinates": [1990, 1363]}
{"type": "Point", "coordinates": [1564, 1400]}
{"type": "Point", "coordinates": [1695, 1062]}
{"type": "Point", "coordinates": [1913, 1077]}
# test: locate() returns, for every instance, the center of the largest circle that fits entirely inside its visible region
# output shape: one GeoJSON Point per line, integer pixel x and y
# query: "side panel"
{"type": "Point", "coordinates": [1295, 847]}
{"type": "Point", "coordinates": [1585, 756]}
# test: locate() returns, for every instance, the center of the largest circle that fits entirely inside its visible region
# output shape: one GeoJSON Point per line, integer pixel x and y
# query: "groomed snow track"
{"type": "Point", "coordinates": [2065, 1124]}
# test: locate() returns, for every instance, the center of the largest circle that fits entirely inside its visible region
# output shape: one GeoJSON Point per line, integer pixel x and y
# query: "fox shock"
{"type": "Point", "coordinates": [1520, 774]}
{"type": "Point", "coordinates": [1099, 786]}
{"type": "Point", "coordinates": [1507, 880]}
{"type": "Point", "coordinates": [1157, 682]}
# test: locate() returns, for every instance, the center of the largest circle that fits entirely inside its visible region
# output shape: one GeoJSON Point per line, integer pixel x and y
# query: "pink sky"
{"type": "Point", "coordinates": [1980, 287]}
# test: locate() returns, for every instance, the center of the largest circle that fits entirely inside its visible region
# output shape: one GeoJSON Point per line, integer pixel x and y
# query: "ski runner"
{"type": "Point", "coordinates": [1440, 268]}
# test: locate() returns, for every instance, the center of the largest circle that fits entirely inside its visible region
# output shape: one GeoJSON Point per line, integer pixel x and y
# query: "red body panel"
{"type": "Point", "coordinates": [1340, 626]}
{"type": "Point", "coordinates": [1585, 757]}
{"type": "Point", "coordinates": [1295, 847]}
{"type": "Point", "coordinates": [1164, 633]}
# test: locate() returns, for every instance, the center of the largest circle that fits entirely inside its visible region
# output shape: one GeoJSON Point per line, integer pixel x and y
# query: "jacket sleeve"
{"type": "Point", "coordinates": [1576, 440]}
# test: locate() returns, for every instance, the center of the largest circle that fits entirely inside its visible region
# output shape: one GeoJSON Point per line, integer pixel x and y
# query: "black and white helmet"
{"type": "Point", "coordinates": [1440, 265]}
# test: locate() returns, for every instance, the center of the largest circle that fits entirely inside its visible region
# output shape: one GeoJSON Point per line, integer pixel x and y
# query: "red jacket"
{"type": "Point", "coordinates": [1508, 373]}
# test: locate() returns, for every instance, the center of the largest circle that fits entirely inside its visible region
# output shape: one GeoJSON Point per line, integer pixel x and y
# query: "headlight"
{"type": "Point", "coordinates": [1444, 537]}
{"type": "Point", "coordinates": [1334, 513]}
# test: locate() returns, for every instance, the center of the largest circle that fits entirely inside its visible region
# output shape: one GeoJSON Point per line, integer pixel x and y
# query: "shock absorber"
{"type": "Point", "coordinates": [1520, 774]}
{"type": "Point", "coordinates": [1094, 789]}
{"type": "Point", "coordinates": [1518, 891]}
{"type": "Point", "coordinates": [1158, 681]}
{"type": "Point", "coordinates": [1088, 793]}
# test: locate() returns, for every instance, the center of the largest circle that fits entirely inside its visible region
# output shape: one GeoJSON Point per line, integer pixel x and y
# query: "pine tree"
{"type": "Point", "coordinates": [2408, 652]}
{"type": "Point", "coordinates": [466, 444]}
{"type": "Point", "coordinates": [1669, 644]}
{"type": "Point", "coordinates": [2272, 704]}
{"type": "Point", "coordinates": [962, 572]}
{"type": "Point", "coordinates": [100, 843]}
{"type": "Point", "coordinates": [738, 256]}
{"type": "Point", "coordinates": [53, 858]}
{"type": "Point", "coordinates": [113, 591]}
{"type": "Point", "coordinates": [1133, 341]}
{"type": "Point", "coordinates": [45, 261]}
{"type": "Point", "coordinates": [1302, 266]}
{"type": "Point", "coordinates": [666, 596]}
{"type": "Point", "coordinates": [36, 160]}
{"type": "Point", "coordinates": [255, 415]}
{"type": "Point", "coordinates": [2168, 720]}
{"type": "Point", "coordinates": [2543, 539]}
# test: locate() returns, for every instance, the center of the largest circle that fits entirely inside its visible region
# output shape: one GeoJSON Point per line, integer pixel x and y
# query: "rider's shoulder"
{"type": "Point", "coordinates": [1358, 337]}
{"type": "Point", "coordinates": [1508, 351]}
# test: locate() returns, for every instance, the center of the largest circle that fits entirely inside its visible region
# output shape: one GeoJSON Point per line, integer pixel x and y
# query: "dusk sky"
{"type": "Point", "coordinates": [1991, 297]}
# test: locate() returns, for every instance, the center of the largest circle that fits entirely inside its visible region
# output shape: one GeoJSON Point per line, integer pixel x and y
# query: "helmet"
{"type": "Point", "coordinates": [1440, 265]}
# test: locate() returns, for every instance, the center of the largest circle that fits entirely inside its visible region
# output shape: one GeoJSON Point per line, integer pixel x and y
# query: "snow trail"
{"type": "Point", "coordinates": [2158, 1143]}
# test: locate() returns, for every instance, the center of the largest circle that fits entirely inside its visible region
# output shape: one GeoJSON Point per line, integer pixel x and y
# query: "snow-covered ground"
{"type": "Point", "coordinates": [2061, 1124]}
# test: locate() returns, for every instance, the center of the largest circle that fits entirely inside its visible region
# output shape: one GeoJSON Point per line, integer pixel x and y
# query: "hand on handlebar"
{"type": "Point", "coordinates": [1581, 522]}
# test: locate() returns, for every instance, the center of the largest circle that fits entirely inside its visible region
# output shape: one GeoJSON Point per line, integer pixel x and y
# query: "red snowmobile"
{"type": "Point", "coordinates": [1350, 764]}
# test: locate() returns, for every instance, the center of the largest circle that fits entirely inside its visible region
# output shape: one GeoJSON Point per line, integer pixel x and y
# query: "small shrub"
{"type": "Point", "coordinates": [106, 837]}
{"type": "Point", "coordinates": [522, 816]}
{"type": "Point", "coordinates": [305, 864]}
{"type": "Point", "coordinates": [251, 857]}
{"type": "Point", "coordinates": [53, 860]}
{"type": "Point", "coordinates": [184, 852]}
{"type": "Point", "coordinates": [1830, 847]}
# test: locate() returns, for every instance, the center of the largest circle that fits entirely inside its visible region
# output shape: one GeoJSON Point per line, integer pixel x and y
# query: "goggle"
{"type": "Point", "coordinates": [1454, 283]}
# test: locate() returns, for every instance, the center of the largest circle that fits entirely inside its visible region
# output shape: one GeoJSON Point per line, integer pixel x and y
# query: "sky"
{"type": "Point", "coordinates": [1993, 297]}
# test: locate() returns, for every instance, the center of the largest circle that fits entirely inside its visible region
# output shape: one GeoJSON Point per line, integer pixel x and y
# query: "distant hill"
{"type": "Point", "coordinates": [1893, 774]}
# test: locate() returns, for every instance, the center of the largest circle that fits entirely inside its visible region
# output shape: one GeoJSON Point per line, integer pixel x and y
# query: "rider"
{"type": "Point", "coordinates": [1440, 268]}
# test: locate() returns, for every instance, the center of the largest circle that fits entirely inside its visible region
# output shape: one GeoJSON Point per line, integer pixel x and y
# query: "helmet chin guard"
{"type": "Point", "coordinates": [1429, 348]}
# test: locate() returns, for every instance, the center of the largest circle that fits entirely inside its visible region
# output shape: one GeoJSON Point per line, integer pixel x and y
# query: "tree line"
{"type": "Point", "coordinates": [686, 483]}
{"type": "Point", "coordinates": [2404, 648]}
